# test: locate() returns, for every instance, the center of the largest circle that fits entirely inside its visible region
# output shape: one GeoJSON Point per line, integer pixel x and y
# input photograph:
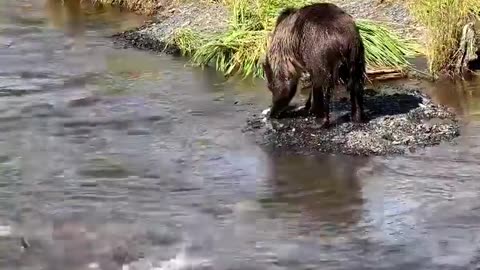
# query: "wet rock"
{"type": "Point", "coordinates": [83, 101]}
{"type": "Point", "coordinates": [102, 167]}
{"type": "Point", "coordinates": [136, 39]}
{"type": "Point", "coordinates": [24, 243]}
{"type": "Point", "coordinates": [398, 121]}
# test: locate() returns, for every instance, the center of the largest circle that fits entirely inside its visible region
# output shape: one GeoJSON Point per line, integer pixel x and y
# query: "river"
{"type": "Point", "coordinates": [109, 156]}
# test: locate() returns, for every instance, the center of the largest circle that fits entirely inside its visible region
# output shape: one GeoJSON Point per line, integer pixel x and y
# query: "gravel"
{"type": "Point", "coordinates": [393, 13]}
{"type": "Point", "coordinates": [399, 121]}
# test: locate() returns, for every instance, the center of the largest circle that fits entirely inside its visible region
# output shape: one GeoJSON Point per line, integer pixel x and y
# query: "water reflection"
{"type": "Point", "coordinates": [66, 14]}
{"type": "Point", "coordinates": [461, 95]}
{"type": "Point", "coordinates": [322, 192]}
{"type": "Point", "coordinates": [75, 17]}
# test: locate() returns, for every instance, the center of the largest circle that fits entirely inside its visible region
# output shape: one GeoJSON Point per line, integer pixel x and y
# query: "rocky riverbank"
{"type": "Point", "coordinates": [154, 35]}
{"type": "Point", "coordinates": [399, 120]}
{"type": "Point", "coordinates": [206, 18]}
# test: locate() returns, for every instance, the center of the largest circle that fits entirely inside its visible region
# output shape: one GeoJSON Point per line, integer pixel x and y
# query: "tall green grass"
{"type": "Point", "coordinates": [234, 52]}
{"type": "Point", "coordinates": [242, 47]}
{"type": "Point", "coordinates": [384, 48]}
{"type": "Point", "coordinates": [444, 20]}
{"type": "Point", "coordinates": [186, 40]}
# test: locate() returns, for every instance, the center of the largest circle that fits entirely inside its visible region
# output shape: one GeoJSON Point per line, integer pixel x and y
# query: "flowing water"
{"type": "Point", "coordinates": [109, 156]}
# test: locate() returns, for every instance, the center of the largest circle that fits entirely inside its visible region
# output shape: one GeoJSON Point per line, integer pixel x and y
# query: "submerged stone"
{"type": "Point", "coordinates": [398, 121]}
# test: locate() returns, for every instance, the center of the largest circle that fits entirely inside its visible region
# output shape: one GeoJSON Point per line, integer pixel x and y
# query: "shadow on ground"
{"type": "Point", "coordinates": [398, 120]}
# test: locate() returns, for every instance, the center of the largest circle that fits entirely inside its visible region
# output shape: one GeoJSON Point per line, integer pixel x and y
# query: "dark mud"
{"type": "Point", "coordinates": [398, 121]}
{"type": "Point", "coordinates": [153, 36]}
{"type": "Point", "coordinates": [137, 39]}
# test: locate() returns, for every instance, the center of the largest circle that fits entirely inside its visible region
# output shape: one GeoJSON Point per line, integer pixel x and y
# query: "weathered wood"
{"type": "Point", "coordinates": [382, 71]}
{"type": "Point", "coordinates": [467, 56]}
{"type": "Point", "coordinates": [467, 48]}
{"type": "Point", "coordinates": [386, 76]}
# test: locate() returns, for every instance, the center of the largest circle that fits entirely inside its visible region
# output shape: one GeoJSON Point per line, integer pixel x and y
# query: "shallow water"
{"type": "Point", "coordinates": [109, 155]}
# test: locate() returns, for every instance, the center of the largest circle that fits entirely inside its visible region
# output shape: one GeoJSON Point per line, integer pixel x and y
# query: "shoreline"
{"type": "Point", "coordinates": [201, 17]}
{"type": "Point", "coordinates": [389, 131]}
{"type": "Point", "coordinates": [210, 18]}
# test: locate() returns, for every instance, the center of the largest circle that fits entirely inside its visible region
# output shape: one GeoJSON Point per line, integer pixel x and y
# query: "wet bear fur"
{"type": "Point", "coordinates": [323, 41]}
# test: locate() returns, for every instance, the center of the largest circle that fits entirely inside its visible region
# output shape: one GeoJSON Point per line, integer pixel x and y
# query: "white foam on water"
{"type": "Point", "coordinates": [180, 262]}
{"type": "Point", "coordinates": [5, 231]}
{"type": "Point", "coordinates": [264, 112]}
{"type": "Point", "coordinates": [93, 265]}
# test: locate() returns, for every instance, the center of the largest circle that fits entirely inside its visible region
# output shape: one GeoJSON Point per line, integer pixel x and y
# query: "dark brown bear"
{"type": "Point", "coordinates": [323, 41]}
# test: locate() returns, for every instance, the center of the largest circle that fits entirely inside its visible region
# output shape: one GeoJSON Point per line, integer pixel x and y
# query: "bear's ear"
{"type": "Point", "coordinates": [284, 13]}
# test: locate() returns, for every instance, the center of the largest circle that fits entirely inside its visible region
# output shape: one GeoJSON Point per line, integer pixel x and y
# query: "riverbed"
{"type": "Point", "coordinates": [118, 157]}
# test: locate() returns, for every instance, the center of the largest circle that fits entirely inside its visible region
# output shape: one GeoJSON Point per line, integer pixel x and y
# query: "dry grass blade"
{"type": "Point", "coordinates": [444, 20]}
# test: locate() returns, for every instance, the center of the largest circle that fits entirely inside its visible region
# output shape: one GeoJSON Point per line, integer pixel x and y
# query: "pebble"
{"type": "Point", "coordinates": [396, 126]}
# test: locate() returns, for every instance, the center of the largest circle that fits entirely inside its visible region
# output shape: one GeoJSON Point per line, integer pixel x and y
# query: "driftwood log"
{"type": "Point", "coordinates": [469, 47]}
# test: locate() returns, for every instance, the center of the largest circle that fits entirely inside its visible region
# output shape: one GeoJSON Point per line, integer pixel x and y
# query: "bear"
{"type": "Point", "coordinates": [321, 40]}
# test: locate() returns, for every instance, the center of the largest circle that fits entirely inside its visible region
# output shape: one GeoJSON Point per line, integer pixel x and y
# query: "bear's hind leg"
{"type": "Point", "coordinates": [321, 101]}
{"type": "Point", "coordinates": [355, 87]}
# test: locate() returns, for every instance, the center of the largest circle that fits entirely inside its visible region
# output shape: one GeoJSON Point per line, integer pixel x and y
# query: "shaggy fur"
{"type": "Point", "coordinates": [322, 40]}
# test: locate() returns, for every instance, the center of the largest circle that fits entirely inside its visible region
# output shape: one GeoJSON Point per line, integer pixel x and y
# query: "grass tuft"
{"type": "Point", "coordinates": [384, 48]}
{"type": "Point", "coordinates": [187, 40]}
{"type": "Point", "coordinates": [234, 52]}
